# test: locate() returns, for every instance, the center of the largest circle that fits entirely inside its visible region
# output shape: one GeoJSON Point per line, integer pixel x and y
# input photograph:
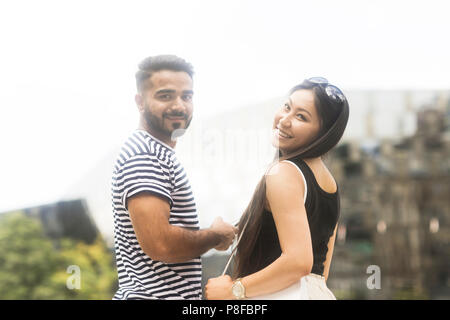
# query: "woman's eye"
{"type": "Point", "coordinates": [300, 116]}
{"type": "Point", "coordinates": [286, 107]}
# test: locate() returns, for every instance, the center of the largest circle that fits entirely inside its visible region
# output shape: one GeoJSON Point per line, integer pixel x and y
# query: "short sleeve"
{"type": "Point", "coordinates": [144, 173]}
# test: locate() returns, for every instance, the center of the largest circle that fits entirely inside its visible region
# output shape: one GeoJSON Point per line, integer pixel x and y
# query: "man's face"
{"type": "Point", "coordinates": [166, 104]}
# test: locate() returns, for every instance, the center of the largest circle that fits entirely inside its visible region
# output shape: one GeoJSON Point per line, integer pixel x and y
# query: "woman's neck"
{"type": "Point", "coordinates": [313, 161]}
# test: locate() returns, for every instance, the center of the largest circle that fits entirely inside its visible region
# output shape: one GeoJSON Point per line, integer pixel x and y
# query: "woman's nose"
{"type": "Point", "coordinates": [285, 121]}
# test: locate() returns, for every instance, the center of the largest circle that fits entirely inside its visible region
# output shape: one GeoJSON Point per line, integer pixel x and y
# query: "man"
{"type": "Point", "coordinates": [158, 242]}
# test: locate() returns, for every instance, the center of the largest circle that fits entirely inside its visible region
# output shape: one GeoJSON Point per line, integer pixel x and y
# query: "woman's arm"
{"type": "Point", "coordinates": [327, 262]}
{"type": "Point", "coordinates": [284, 191]}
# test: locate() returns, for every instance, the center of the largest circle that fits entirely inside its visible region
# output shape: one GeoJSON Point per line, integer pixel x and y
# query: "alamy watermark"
{"type": "Point", "coordinates": [74, 280]}
{"type": "Point", "coordinates": [248, 148]}
{"type": "Point", "coordinates": [374, 281]}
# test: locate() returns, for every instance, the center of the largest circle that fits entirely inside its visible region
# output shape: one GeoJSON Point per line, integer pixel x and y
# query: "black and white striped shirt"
{"type": "Point", "coordinates": [145, 164]}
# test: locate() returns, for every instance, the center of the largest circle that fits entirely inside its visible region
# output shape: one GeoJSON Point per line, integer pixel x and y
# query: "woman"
{"type": "Point", "coordinates": [292, 218]}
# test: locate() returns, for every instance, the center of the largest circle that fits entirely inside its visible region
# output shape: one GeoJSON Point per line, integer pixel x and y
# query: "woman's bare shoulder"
{"type": "Point", "coordinates": [284, 176]}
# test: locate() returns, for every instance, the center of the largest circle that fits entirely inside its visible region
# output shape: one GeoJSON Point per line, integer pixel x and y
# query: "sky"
{"type": "Point", "coordinates": [67, 68]}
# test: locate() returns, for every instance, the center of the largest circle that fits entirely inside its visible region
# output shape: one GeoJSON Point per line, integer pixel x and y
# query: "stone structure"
{"type": "Point", "coordinates": [396, 211]}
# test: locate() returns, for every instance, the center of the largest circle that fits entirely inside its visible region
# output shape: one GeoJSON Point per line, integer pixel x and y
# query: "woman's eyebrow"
{"type": "Point", "coordinates": [299, 108]}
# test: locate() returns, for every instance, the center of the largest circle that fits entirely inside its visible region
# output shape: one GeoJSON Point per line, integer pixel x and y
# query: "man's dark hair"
{"type": "Point", "coordinates": [161, 62]}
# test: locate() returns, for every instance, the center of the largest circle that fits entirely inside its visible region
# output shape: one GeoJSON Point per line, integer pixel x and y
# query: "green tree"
{"type": "Point", "coordinates": [97, 276]}
{"type": "Point", "coordinates": [34, 267]}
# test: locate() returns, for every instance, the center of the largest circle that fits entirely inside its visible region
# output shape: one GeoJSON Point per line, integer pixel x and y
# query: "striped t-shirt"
{"type": "Point", "coordinates": [145, 164]}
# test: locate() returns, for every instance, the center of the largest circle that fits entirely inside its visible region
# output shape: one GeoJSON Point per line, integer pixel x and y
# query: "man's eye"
{"type": "Point", "coordinates": [187, 98]}
{"type": "Point", "coordinates": [165, 97]}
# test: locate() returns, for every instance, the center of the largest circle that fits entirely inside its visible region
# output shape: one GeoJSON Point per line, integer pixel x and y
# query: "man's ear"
{"type": "Point", "coordinates": [139, 102]}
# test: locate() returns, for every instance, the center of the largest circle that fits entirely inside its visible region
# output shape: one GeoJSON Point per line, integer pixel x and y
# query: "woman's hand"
{"type": "Point", "coordinates": [219, 288]}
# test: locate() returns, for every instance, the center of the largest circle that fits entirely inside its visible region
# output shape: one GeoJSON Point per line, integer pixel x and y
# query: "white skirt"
{"type": "Point", "coordinates": [310, 287]}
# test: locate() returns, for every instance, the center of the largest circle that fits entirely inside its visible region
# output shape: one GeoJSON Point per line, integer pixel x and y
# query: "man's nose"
{"type": "Point", "coordinates": [179, 104]}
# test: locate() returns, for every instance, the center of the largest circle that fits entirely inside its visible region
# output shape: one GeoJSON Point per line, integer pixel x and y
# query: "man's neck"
{"type": "Point", "coordinates": [161, 137]}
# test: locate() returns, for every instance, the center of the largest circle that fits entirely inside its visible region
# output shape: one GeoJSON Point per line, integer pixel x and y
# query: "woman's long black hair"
{"type": "Point", "coordinates": [251, 254]}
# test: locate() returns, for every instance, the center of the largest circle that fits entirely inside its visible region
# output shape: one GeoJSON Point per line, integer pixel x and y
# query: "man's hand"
{"type": "Point", "coordinates": [226, 231]}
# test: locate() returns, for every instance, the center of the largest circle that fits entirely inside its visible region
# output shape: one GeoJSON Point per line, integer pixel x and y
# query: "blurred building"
{"type": "Point", "coordinates": [396, 211]}
{"type": "Point", "coordinates": [65, 219]}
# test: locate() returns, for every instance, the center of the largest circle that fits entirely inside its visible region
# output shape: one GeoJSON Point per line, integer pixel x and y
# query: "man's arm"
{"type": "Point", "coordinates": [171, 244]}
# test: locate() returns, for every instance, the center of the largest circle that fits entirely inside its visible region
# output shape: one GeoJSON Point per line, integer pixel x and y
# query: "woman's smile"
{"type": "Point", "coordinates": [281, 134]}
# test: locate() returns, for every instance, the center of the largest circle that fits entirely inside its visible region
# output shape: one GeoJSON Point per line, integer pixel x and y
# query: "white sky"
{"type": "Point", "coordinates": [67, 67]}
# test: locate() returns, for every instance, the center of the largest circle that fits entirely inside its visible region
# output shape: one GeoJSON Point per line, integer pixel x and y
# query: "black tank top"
{"type": "Point", "coordinates": [322, 209]}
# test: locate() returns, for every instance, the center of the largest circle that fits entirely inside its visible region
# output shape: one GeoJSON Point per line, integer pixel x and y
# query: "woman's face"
{"type": "Point", "coordinates": [297, 123]}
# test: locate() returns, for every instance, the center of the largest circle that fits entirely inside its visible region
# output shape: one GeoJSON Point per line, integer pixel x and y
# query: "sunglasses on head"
{"type": "Point", "coordinates": [333, 92]}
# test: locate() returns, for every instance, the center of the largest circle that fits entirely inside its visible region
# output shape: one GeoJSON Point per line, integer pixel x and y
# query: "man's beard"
{"type": "Point", "coordinates": [157, 123]}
